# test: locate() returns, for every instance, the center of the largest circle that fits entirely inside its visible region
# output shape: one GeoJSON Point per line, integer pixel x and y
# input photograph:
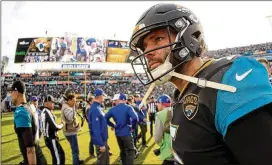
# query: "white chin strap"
{"type": "Point", "coordinates": [204, 83]}
{"type": "Point", "coordinates": [199, 81]}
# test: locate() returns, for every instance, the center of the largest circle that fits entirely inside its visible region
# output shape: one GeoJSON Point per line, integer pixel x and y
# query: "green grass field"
{"type": "Point", "coordinates": [11, 153]}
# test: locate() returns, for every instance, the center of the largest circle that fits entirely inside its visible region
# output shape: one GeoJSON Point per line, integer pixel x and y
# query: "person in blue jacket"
{"type": "Point", "coordinates": [142, 114]}
{"type": "Point", "coordinates": [123, 115]}
{"type": "Point", "coordinates": [98, 127]}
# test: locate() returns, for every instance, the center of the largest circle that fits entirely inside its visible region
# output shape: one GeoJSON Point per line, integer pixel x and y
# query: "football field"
{"type": "Point", "coordinates": [11, 154]}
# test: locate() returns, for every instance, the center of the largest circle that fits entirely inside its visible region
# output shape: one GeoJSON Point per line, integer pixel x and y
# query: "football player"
{"type": "Point", "coordinates": [223, 110]}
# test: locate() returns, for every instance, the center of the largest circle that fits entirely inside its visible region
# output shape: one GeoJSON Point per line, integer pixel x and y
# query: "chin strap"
{"type": "Point", "coordinates": [205, 83]}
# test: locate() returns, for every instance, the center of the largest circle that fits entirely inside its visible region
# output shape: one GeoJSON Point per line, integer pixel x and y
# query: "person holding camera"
{"type": "Point", "coordinates": [71, 124]}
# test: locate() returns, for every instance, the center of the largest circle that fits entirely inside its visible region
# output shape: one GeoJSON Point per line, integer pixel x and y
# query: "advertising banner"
{"type": "Point", "coordinates": [31, 50]}
{"type": "Point", "coordinates": [117, 51]}
{"type": "Point", "coordinates": [45, 74]}
{"type": "Point", "coordinates": [75, 66]}
{"type": "Point", "coordinates": [63, 49]}
{"type": "Point", "coordinates": [70, 49]}
{"type": "Point", "coordinates": [112, 81]}
{"type": "Point", "coordinates": [52, 82]}
{"type": "Point", "coordinates": [87, 82]}
{"type": "Point", "coordinates": [90, 50]}
{"type": "Point", "coordinates": [79, 49]}
{"type": "Point", "coordinates": [40, 82]}
{"type": "Point", "coordinates": [25, 75]}
{"type": "Point", "coordinates": [63, 74]}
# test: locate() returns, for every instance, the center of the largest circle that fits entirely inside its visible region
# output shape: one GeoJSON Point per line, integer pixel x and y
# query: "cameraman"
{"type": "Point", "coordinates": [71, 124]}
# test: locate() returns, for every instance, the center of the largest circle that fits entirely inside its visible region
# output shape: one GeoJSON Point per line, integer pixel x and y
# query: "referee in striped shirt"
{"type": "Point", "coordinates": [50, 129]}
{"type": "Point", "coordinates": [152, 109]}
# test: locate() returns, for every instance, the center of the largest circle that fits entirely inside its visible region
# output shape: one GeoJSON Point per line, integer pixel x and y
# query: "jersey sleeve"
{"type": "Point", "coordinates": [22, 117]}
{"type": "Point", "coordinates": [253, 90]}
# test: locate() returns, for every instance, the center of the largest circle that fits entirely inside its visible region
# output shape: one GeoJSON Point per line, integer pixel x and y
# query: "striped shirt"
{"type": "Point", "coordinates": [152, 107]}
{"type": "Point", "coordinates": [49, 127]}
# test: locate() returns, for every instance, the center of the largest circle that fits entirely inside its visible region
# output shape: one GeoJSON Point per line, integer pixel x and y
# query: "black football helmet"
{"type": "Point", "coordinates": [189, 40]}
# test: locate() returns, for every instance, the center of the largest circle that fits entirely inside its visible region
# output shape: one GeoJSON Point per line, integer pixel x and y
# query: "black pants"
{"type": "Point", "coordinates": [143, 132]}
{"type": "Point", "coordinates": [168, 162]}
{"type": "Point", "coordinates": [102, 157]}
{"type": "Point", "coordinates": [152, 121]}
{"type": "Point", "coordinates": [91, 147]}
{"type": "Point", "coordinates": [57, 153]}
{"type": "Point", "coordinates": [39, 155]}
{"type": "Point", "coordinates": [134, 136]}
{"type": "Point", "coordinates": [40, 158]}
{"type": "Point", "coordinates": [127, 150]}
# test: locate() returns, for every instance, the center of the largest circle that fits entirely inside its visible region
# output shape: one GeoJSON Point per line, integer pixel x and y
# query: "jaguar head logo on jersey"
{"type": "Point", "coordinates": [190, 105]}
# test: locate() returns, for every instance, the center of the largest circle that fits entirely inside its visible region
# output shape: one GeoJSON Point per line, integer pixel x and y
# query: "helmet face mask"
{"type": "Point", "coordinates": [162, 73]}
{"type": "Point", "coordinates": [175, 20]}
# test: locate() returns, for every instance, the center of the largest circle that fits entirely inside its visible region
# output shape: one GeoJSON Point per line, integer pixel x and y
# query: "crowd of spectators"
{"type": "Point", "coordinates": [256, 49]}
{"type": "Point", "coordinates": [125, 84]}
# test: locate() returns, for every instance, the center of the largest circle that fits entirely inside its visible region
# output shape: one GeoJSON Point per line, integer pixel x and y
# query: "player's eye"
{"type": "Point", "coordinates": [158, 39]}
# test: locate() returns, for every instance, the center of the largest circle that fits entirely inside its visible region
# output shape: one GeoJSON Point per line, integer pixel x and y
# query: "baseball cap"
{"type": "Point", "coordinates": [18, 86]}
{"type": "Point", "coordinates": [115, 97]}
{"type": "Point", "coordinates": [122, 96]}
{"type": "Point", "coordinates": [34, 98]}
{"type": "Point", "coordinates": [99, 92]}
{"type": "Point", "coordinates": [137, 95]}
{"type": "Point", "coordinates": [119, 96]}
{"type": "Point", "coordinates": [49, 98]}
{"type": "Point", "coordinates": [165, 100]}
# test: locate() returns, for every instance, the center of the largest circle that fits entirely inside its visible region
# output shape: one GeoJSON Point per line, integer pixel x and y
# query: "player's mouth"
{"type": "Point", "coordinates": [154, 64]}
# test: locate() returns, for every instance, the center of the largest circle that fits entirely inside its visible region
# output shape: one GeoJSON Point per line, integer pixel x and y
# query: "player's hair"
{"type": "Point", "coordinates": [70, 96]}
{"type": "Point", "coordinates": [89, 99]}
{"type": "Point", "coordinates": [263, 60]}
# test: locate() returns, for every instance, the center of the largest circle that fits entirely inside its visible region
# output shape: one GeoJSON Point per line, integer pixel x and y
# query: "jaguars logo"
{"type": "Point", "coordinates": [138, 27]}
{"type": "Point", "coordinates": [190, 105]}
